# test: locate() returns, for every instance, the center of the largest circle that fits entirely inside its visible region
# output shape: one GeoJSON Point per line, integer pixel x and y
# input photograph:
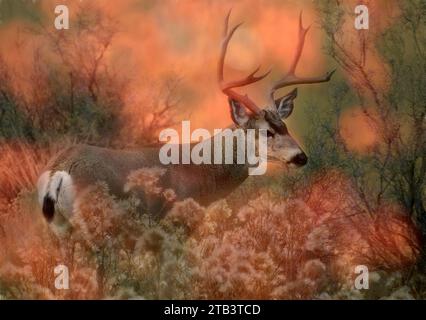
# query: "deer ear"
{"type": "Point", "coordinates": [285, 104]}
{"type": "Point", "coordinates": [238, 113]}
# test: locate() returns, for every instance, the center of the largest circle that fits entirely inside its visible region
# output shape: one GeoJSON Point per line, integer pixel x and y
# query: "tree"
{"type": "Point", "coordinates": [394, 169]}
{"type": "Point", "coordinates": [73, 90]}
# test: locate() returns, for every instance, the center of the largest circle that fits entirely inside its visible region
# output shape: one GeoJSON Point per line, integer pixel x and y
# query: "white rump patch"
{"type": "Point", "coordinates": [59, 187]}
{"type": "Point", "coordinates": [42, 184]}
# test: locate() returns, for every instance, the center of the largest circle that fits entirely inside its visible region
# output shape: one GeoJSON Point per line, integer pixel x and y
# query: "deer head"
{"type": "Point", "coordinates": [282, 146]}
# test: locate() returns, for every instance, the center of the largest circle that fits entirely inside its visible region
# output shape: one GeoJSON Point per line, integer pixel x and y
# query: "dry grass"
{"type": "Point", "coordinates": [21, 164]}
{"type": "Point", "coordinates": [270, 248]}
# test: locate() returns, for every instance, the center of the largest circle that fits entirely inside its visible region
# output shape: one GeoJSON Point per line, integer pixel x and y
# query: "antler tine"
{"type": "Point", "coordinates": [300, 44]}
{"type": "Point", "coordinates": [225, 31]}
{"type": "Point", "coordinates": [290, 78]}
{"type": "Point", "coordinates": [251, 78]}
{"type": "Point", "coordinates": [227, 87]}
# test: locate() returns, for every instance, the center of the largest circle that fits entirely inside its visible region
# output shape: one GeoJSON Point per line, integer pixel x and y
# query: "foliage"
{"type": "Point", "coordinates": [299, 237]}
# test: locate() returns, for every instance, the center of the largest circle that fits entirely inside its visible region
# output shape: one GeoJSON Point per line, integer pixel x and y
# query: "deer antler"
{"type": "Point", "coordinates": [227, 87]}
{"type": "Point", "coordinates": [290, 78]}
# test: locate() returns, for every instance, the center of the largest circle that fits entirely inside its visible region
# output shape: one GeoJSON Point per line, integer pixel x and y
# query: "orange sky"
{"type": "Point", "coordinates": [359, 130]}
{"type": "Point", "coordinates": [159, 39]}
{"type": "Point", "coordinates": [182, 37]}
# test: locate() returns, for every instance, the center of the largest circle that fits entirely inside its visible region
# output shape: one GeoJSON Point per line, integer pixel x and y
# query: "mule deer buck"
{"type": "Point", "coordinates": [80, 166]}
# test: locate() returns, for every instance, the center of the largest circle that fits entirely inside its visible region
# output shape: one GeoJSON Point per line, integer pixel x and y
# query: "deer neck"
{"type": "Point", "coordinates": [230, 174]}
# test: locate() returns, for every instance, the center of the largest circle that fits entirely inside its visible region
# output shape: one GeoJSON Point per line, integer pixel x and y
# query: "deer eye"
{"type": "Point", "coordinates": [270, 134]}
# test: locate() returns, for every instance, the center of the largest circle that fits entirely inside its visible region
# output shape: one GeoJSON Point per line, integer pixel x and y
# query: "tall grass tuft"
{"type": "Point", "coordinates": [20, 165]}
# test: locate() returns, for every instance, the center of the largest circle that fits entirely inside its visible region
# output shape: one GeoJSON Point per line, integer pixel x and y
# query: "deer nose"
{"type": "Point", "coordinates": [300, 159]}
